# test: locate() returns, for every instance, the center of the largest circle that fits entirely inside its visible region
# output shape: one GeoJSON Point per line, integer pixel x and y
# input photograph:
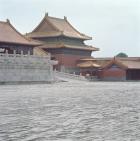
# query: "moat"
{"type": "Point", "coordinates": [78, 111]}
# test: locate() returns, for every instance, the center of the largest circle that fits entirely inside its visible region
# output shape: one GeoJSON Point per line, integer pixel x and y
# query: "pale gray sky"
{"type": "Point", "coordinates": [113, 24]}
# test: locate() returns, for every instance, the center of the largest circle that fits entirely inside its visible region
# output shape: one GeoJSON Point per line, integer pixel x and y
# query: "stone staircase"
{"type": "Point", "coordinates": [67, 77]}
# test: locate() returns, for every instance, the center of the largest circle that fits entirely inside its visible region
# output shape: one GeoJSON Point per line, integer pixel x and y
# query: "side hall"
{"type": "Point", "coordinates": [111, 69]}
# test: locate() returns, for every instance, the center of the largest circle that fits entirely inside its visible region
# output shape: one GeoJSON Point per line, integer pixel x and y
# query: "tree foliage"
{"type": "Point", "coordinates": [121, 54]}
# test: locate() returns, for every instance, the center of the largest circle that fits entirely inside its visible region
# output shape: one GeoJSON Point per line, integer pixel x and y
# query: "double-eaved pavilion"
{"type": "Point", "coordinates": [63, 41]}
{"type": "Point", "coordinates": [11, 40]}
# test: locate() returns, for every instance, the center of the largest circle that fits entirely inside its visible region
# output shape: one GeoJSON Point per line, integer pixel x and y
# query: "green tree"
{"type": "Point", "coordinates": [121, 54]}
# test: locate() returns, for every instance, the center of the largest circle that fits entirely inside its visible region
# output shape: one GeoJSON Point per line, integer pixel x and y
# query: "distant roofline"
{"type": "Point", "coordinates": [116, 62]}
{"type": "Point", "coordinates": [122, 58]}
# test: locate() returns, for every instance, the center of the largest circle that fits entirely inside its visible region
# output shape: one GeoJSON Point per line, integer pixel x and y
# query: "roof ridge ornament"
{"type": "Point", "coordinates": [46, 14]}
{"type": "Point", "coordinates": [65, 18]}
{"type": "Point", "coordinates": [8, 21]}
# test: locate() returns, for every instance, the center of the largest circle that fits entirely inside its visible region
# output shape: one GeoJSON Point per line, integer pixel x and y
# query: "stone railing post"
{"type": "Point", "coordinates": [6, 53]}
{"type": "Point", "coordinates": [21, 52]}
{"type": "Point", "coordinates": [49, 56]}
{"type": "Point", "coordinates": [14, 52]}
{"type": "Point", "coordinates": [29, 53]}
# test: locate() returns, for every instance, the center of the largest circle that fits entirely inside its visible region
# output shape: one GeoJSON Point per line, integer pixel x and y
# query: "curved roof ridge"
{"type": "Point", "coordinates": [116, 62]}
{"type": "Point", "coordinates": [43, 20]}
{"type": "Point", "coordinates": [47, 18]}
{"type": "Point", "coordinates": [76, 29]}
{"type": "Point", "coordinates": [63, 32]}
{"type": "Point", "coordinates": [24, 41]}
{"type": "Point", "coordinates": [54, 18]}
{"type": "Point", "coordinates": [38, 25]}
{"type": "Point", "coordinates": [28, 39]}
{"type": "Point", "coordinates": [62, 26]}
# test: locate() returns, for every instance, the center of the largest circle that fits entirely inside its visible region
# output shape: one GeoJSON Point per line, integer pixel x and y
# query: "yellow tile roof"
{"type": "Point", "coordinates": [88, 64]}
{"type": "Point", "coordinates": [60, 27]}
{"type": "Point", "coordinates": [8, 34]}
{"type": "Point", "coordinates": [63, 45]}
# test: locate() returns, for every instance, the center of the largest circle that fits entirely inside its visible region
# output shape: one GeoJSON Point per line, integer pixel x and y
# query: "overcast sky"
{"type": "Point", "coordinates": [113, 24]}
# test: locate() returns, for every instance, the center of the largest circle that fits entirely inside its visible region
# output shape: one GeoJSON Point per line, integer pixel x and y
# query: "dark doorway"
{"type": "Point", "coordinates": [133, 74]}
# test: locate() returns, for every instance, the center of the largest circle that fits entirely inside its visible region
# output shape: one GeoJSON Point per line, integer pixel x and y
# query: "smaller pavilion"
{"type": "Point", "coordinates": [88, 66]}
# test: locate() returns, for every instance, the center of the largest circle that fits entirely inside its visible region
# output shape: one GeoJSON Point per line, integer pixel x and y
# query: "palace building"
{"type": "Point", "coordinates": [111, 69]}
{"type": "Point", "coordinates": [121, 69]}
{"type": "Point", "coordinates": [11, 41]}
{"type": "Point", "coordinates": [20, 60]}
{"type": "Point", "coordinates": [63, 41]}
{"type": "Point", "coordinates": [58, 38]}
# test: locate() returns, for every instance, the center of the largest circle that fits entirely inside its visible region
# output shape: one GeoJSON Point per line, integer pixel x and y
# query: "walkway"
{"type": "Point", "coordinates": [61, 76]}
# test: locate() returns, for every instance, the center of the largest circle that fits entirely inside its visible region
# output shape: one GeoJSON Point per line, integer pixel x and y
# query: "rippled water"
{"type": "Point", "coordinates": [94, 111]}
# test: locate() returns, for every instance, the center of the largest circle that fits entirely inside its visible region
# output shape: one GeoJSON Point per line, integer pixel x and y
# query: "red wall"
{"type": "Point", "coordinates": [67, 59]}
{"type": "Point", "coordinates": [112, 74]}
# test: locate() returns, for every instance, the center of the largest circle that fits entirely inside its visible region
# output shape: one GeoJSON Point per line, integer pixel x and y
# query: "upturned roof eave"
{"type": "Point", "coordinates": [19, 43]}
{"type": "Point", "coordinates": [47, 19]}
{"type": "Point", "coordinates": [32, 35]}
{"type": "Point", "coordinates": [88, 65]}
{"type": "Point", "coordinates": [61, 45]}
{"type": "Point", "coordinates": [84, 36]}
{"type": "Point", "coordinates": [25, 41]}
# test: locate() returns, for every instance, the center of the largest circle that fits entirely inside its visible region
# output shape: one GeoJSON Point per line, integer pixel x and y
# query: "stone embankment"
{"type": "Point", "coordinates": [25, 68]}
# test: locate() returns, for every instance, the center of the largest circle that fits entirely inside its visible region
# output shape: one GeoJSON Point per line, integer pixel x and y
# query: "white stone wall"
{"type": "Point", "coordinates": [21, 68]}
